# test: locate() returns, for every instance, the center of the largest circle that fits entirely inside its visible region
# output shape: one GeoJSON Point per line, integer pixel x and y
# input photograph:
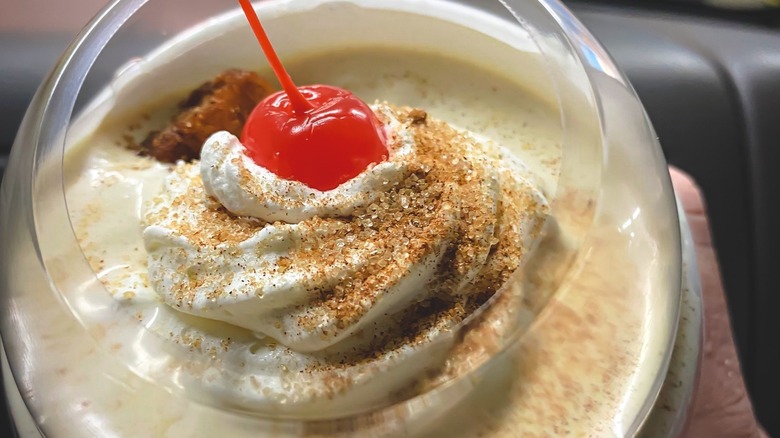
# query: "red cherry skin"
{"type": "Point", "coordinates": [323, 147]}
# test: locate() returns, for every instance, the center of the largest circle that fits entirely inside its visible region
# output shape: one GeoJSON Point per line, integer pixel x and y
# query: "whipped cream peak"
{"type": "Point", "coordinates": [363, 283]}
{"type": "Point", "coordinates": [247, 189]}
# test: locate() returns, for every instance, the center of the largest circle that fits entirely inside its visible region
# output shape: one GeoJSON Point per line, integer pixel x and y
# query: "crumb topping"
{"type": "Point", "coordinates": [457, 208]}
{"type": "Point", "coordinates": [221, 104]}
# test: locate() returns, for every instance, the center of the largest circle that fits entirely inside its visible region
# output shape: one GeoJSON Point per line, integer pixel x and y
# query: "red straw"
{"type": "Point", "coordinates": [299, 103]}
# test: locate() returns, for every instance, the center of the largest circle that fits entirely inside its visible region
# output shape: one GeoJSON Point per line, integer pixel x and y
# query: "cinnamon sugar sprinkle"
{"type": "Point", "coordinates": [457, 206]}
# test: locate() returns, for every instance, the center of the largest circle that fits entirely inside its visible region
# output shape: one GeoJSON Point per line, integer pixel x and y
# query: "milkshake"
{"type": "Point", "coordinates": [525, 356]}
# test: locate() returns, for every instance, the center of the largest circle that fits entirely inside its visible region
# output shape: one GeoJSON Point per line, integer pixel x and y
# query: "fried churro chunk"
{"type": "Point", "coordinates": [222, 104]}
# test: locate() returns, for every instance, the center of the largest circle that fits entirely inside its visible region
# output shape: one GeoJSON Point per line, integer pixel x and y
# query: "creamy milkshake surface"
{"type": "Point", "coordinates": [366, 300]}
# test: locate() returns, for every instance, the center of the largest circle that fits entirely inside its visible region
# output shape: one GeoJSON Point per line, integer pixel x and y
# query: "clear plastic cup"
{"type": "Point", "coordinates": [593, 308]}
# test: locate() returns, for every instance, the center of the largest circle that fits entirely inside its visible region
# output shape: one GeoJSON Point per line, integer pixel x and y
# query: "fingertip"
{"type": "Point", "coordinates": [687, 191]}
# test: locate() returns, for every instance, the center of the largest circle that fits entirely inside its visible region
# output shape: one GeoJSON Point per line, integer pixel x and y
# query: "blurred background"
{"type": "Point", "coordinates": [708, 72]}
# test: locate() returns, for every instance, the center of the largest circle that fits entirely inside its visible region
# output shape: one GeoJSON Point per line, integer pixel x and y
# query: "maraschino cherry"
{"type": "Point", "coordinates": [319, 135]}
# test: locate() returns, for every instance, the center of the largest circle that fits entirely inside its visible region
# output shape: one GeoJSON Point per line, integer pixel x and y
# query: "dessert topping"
{"type": "Point", "coordinates": [222, 104]}
{"type": "Point", "coordinates": [247, 189]}
{"type": "Point", "coordinates": [323, 147]}
{"type": "Point", "coordinates": [319, 135]}
{"type": "Point", "coordinates": [452, 223]}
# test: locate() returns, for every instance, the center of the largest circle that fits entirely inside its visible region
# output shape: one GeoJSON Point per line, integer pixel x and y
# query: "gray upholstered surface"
{"type": "Point", "coordinates": [25, 58]}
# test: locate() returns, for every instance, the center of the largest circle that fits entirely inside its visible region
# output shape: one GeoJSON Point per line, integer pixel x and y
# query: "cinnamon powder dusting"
{"type": "Point", "coordinates": [444, 215]}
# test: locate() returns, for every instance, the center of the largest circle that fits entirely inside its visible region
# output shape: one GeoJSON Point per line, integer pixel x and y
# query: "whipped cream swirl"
{"type": "Point", "coordinates": [363, 278]}
{"type": "Point", "coordinates": [246, 189]}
